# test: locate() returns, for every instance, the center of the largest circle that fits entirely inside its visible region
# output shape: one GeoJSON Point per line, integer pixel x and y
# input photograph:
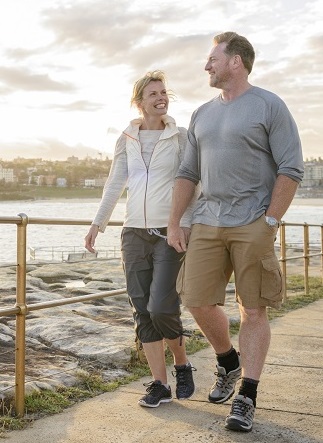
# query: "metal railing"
{"type": "Point", "coordinates": [21, 309]}
{"type": "Point", "coordinates": [307, 252]}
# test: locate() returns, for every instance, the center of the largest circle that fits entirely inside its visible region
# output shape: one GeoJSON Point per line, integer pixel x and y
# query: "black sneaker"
{"type": "Point", "coordinates": [184, 381]}
{"type": "Point", "coordinates": [157, 393]}
{"type": "Point", "coordinates": [225, 384]}
{"type": "Point", "coordinates": [241, 414]}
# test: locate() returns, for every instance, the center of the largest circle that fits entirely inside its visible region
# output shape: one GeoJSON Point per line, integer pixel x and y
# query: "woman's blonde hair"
{"type": "Point", "coordinates": [139, 86]}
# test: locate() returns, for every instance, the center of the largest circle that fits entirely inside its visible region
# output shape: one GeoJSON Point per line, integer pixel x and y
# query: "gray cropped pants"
{"type": "Point", "coordinates": [151, 267]}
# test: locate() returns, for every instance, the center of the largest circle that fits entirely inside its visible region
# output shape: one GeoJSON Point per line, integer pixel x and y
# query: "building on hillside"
{"type": "Point", "coordinates": [313, 175]}
{"type": "Point", "coordinates": [31, 170]}
{"type": "Point", "coordinates": [73, 160]}
{"type": "Point", "coordinates": [38, 180]}
{"type": "Point", "coordinates": [50, 180]}
{"type": "Point", "coordinates": [61, 182]}
{"type": "Point", "coordinates": [6, 175]}
{"type": "Point", "coordinates": [95, 182]}
{"type": "Point", "coordinates": [89, 183]}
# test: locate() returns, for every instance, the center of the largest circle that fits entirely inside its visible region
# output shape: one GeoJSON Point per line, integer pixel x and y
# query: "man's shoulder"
{"type": "Point", "coordinates": [265, 94]}
{"type": "Point", "coordinates": [213, 102]}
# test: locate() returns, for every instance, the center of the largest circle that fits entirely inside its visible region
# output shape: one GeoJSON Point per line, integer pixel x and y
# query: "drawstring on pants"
{"type": "Point", "coordinates": [156, 231]}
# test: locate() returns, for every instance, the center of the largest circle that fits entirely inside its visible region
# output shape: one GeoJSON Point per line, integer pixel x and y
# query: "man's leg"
{"type": "Point", "coordinates": [254, 340]}
{"type": "Point", "coordinates": [214, 324]}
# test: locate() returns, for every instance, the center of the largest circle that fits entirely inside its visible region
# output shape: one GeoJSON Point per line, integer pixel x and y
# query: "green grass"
{"type": "Point", "coordinates": [89, 384]}
{"type": "Point", "coordinates": [51, 192]}
{"type": "Point", "coordinates": [48, 192]}
{"type": "Point", "coordinates": [296, 298]}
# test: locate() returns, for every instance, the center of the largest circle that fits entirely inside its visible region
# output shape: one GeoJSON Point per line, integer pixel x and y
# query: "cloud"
{"type": "Point", "coordinates": [96, 50]}
{"type": "Point", "coordinates": [21, 54]}
{"type": "Point", "coordinates": [105, 31]}
{"type": "Point", "coordinates": [77, 106]}
{"type": "Point", "coordinates": [22, 79]}
{"type": "Point", "coordinates": [45, 148]}
{"type": "Point", "coordinates": [121, 34]}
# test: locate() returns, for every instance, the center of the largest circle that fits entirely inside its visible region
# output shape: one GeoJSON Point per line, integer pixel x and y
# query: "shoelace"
{"type": "Point", "coordinates": [180, 374]}
{"type": "Point", "coordinates": [239, 406]}
{"type": "Point", "coordinates": [221, 380]}
{"type": "Point", "coordinates": [152, 386]}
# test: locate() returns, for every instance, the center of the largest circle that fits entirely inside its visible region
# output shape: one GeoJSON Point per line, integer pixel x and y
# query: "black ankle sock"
{"type": "Point", "coordinates": [229, 360]}
{"type": "Point", "coordinates": [248, 388]}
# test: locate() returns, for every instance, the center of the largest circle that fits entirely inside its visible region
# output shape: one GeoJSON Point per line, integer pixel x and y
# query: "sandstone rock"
{"type": "Point", "coordinates": [60, 341]}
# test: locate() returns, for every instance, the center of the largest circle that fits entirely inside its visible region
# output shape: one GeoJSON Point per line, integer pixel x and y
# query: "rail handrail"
{"type": "Point", "coordinates": [21, 308]}
{"type": "Point", "coordinates": [306, 252]}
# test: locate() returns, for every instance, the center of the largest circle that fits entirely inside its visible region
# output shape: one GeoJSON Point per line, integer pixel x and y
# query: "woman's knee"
{"type": "Point", "coordinates": [145, 329]}
{"type": "Point", "coordinates": [168, 325]}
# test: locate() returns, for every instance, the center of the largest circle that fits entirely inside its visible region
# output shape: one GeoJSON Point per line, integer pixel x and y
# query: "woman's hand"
{"type": "Point", "coordinates": [90, 238]}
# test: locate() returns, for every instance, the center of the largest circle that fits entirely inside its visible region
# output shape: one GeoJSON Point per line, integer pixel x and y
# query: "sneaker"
{"type": "Point", "coordinates": [157, 393]}
{"type": "Point", "coordinates": [225, 384]}
{"type": "Point", "coordinates": [184, 381]}
{"type": "Point", "coordinates": [241, 414]}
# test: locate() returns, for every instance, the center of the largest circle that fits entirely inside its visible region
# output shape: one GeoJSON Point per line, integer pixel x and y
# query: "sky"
{"type": "Point", "coordinates": [67, 67]}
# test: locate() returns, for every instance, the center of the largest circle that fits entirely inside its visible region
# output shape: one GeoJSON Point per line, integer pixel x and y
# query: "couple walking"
{"type": "Point", "coordinates": [202, 204]}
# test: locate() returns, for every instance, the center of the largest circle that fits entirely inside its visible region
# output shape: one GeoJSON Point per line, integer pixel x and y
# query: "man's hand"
{"type": "Point", "coordinates": [90, 238]}
{"type": "Point", "coordinates": [178, 237]}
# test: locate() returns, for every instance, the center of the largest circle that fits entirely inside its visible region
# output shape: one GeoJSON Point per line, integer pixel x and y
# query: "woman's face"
{"type": "Point", "coordinates": [154, 99]}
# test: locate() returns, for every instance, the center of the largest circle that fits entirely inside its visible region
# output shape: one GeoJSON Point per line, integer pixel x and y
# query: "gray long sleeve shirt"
{"type": "Point", "coordinates": [237, 149]}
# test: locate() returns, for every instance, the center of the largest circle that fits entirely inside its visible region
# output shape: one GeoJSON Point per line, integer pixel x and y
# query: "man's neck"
{"type": "Point", "coordinates": [230, 93]}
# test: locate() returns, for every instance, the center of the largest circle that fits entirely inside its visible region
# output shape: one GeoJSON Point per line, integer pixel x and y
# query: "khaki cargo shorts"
{"type": "Point", "coordinates": [214, 253]}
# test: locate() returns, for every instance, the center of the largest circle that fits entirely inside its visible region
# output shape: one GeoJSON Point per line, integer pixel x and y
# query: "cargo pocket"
{"type": "Point", "coordinates": [271, 280]}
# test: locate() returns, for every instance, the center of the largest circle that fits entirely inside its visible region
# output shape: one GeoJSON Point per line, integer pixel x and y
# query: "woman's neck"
{"type": "Point", "coordinates": [152, 123]}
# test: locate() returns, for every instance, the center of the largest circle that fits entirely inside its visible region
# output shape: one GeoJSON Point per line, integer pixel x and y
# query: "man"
{"type": "Point", "coordinates": [244, 148]}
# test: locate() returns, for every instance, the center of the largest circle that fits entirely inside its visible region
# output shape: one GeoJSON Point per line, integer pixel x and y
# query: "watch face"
{"type": "Point", "coordinates": [271, 221]}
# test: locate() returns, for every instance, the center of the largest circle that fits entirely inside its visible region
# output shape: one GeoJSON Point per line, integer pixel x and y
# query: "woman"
{"type": "Point", "coordinates": [147, 156]}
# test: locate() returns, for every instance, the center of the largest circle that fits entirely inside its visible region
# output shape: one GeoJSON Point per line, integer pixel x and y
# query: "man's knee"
{"type": "Point", "coordinates": [253, 315]}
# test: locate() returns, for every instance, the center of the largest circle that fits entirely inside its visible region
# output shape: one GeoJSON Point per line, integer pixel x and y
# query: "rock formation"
{"type": "Point", "coordinates": [61, 340]}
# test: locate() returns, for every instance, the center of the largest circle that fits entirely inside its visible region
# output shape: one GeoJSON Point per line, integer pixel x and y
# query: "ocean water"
{"type": "Point", "coordinates": [54, 242]}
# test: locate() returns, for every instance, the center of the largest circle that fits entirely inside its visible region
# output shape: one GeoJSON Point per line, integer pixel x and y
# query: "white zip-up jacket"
{"type": "Point", "coordinates": [149, 187]}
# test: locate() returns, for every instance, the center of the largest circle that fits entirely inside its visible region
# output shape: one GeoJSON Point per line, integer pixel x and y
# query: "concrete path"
{"type": "Point", "coordinates": [289, 407]}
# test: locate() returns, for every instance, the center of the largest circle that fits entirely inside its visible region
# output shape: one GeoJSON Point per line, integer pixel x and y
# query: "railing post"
{"type": "Point", "coordinates": [306, 258]}
{"type": "Point", "coordinates": [21, 317]}
{"type": "Point", "coordinates": [283, 257]}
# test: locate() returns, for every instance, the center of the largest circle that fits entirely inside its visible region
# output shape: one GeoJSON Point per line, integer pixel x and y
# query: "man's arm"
{"type": "Point", "coordinates": [183, 193]}
{"type": "Point", "coordinates": [282, 196]}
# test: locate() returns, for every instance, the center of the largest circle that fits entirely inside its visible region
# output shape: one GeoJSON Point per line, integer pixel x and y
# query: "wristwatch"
{"type": "Point", "coordinates": [271, 221]}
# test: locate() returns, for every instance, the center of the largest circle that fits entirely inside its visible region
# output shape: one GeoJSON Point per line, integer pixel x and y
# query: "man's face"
{"type": "Point", "coordinates": [218, 66]}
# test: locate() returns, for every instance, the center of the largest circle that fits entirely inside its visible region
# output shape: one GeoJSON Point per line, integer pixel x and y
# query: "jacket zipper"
{"type": "Point", "coordinates": [147, 175]}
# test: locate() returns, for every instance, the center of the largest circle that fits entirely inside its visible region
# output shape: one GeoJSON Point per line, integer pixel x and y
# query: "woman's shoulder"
{"type": "Point", "coordinates": [182, 130]}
